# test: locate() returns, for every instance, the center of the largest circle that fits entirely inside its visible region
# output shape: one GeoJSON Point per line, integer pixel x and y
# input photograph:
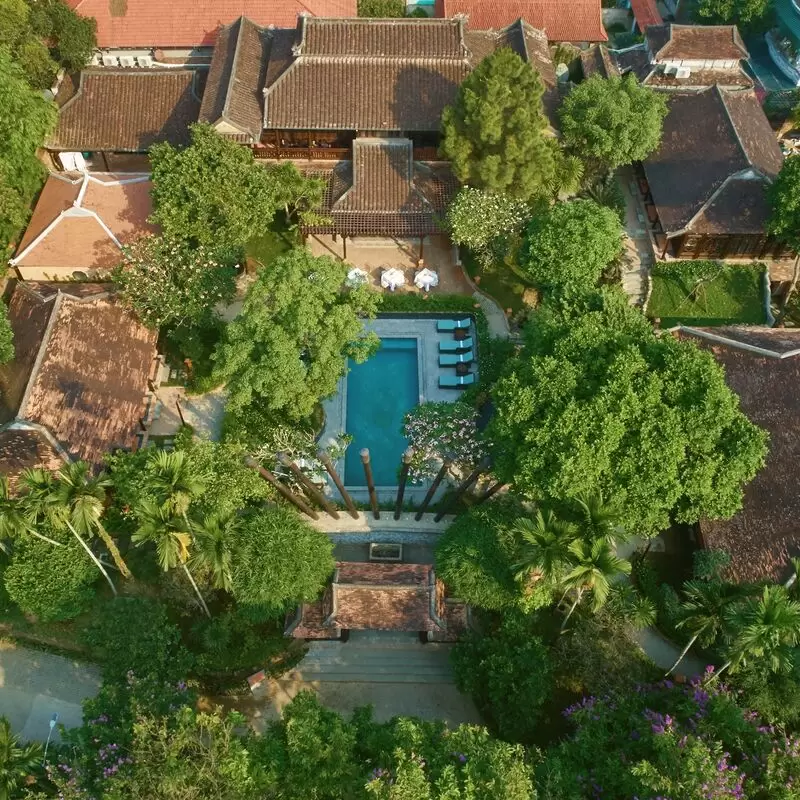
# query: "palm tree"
{"type": "Point", "coordinates": [600, 519]}
{"type": "Point", "coordinates": [12, 518]}
{"type": "Point", "coordinates": [211, 537]}
{"type": "Point", "coordinates": [84, 494]}
{"type": "Point", "coordinates": [766, 628]}
{"type": "Point", "coordinates": [42, 502]}
{"type": "Point", "coordinates": [172, 537]}
{"type": "Point", "coordinates": [567, 175]}
{"type": "Point", "coordinates": [596, 565]}
{"type": "Point", "coordinates": [17, 761]}
{"type": "Point", "coordinates": [703, 612]}
{"type": "Point", "coordinates": [632, 607]}
{"type": "Point", "coordinates": [544, 553]}
{"type": "Point", "coordinates": [175, 481]}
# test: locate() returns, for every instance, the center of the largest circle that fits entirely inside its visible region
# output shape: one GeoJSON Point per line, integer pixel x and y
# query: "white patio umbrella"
{"type": "Point", "coordinates": [426, 278]}
{"type": "Point", "coordinates": [357, 276]}
{"type": "Point", "coordinates": [392, 278]}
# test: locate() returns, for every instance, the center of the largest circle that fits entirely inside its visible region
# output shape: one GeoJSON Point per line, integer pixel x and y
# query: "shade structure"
{"type": "Point", "coordinates": [426, 278]}
{"type": "Point", "coordinates": [357, 276]}
{"type": "Point", "coordinates": [392, 278]}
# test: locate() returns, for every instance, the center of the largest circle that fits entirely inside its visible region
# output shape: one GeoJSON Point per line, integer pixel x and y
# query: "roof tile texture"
{"type": "Point", "coordinates": [695, 42]}
{"type": "Point", "coordinates": [26, 449]}
{"type": "Point", "coordinates": [646, 13]}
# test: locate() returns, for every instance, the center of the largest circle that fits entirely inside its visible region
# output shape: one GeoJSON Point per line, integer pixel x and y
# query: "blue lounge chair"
{"type": "Point", "coordinates": [455, 382]}
{"type": "Point", "coordinates": [446, 325]}
{"type": "Point", "coordinates": [454, 346]}
{"type": "Point", "coordinates": [452, 360]}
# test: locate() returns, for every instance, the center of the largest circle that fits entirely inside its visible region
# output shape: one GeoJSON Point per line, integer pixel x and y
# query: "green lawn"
{"type": "Point", "coordinates": [707, 293]}
{"type": "Point", "coordinates": [499, 282]}
{"type": "Point", "coordinates": [277, 239]}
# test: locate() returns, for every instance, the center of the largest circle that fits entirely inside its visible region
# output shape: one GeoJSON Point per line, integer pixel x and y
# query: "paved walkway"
{"type": "Point", "coordinates": [495, 316]}
{"type": "Point", "coordinates": [638, 253]}
{"type": "Point", "coordinates": [204, 412]}
{"type": "Point", "coordinates": [35, 685]}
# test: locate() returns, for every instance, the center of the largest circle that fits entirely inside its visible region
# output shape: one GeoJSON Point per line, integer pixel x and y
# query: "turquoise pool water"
{"type": "Point", "coordinates": [379, 394]}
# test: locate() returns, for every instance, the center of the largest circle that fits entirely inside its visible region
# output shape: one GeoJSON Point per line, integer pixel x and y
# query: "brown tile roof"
{"type": "Point", "coordinates": [646, 13]}
{"type": "Point", "coordinates": [695, 42]}
{"type": "Point", "coordinates": [26, 448]}
{"type": "Point", "coordinates": [194, 23]}
{"type": "Point", "coordinates": [766, 532]}
{"type": "Point", "coordinates": [381, 74]}
{"type": "Point", "coordinates": [236, 78]}
{"type": "Point", "coordinates": [383, 192]}
{"type": "Point", "coordinates": [128, 110]}
{"type": "Point", "coordinates": [573, 21]}
{"type": "Point", "coordinates": [735, 78]}
{"type": "Point", "coordinates": [80, 222]}
{"type": "Point", "coordinates": [596, 60]}
{"type": "Point", "coordinates": [85, 364]}
{"type": "Point", "coordinates": [710, 137]}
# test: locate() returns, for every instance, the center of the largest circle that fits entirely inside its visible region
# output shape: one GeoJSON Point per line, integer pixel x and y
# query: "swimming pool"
{"type": "Point", "coordinates": [379, 394]}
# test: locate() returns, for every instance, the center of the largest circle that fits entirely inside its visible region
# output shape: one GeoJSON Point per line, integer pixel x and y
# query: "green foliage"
{"type": "Point", "coordinates": [277, 560]}
{"type": "Point", "coordinates": [18, 762]}
{"type": "Point", "coordinates": [612, 121]}
{"type": "Point", "coordinates": [288, 347]}
{"type": "Point", "coordinates": [606, 191]}
{"type": "Point", "coordinates": [707, 293]}
{"type": "Point", "coordinates": [738, 12]}
{"type": "Point", "coordinates": [474, 556]}
{"type": "Point", "coordinates": [596, 402]}
{"type": "Point", "coordinates": [72, 36]}
{"type": "Point", "coordinates": [54, 583]}
{"type": "Point", "coordinates": [494, 133]}
{"type": "Point", "coordinates": [567, 247]}
{"type": "Point", "coordinates": [134, 635]}
{"type": "Point", "coordinates": [381, 8]}
{"type": "Point", "coordinates": [13, 213]}
{"type": "Point", "coordinates": [708, 565]}
{"type": "Point", "coordinates": [213, 193]}
{"type": "Point", "coordinates": [509, 676]}
{"type": "Point", "coordinates": [196, 344]}
{"type": "Point", "coordinates": [34, 58]}
{"type": "Point", "coordinates": [783, 195]}
{"type": "Point", "coordinates": [169, 283]}
{"type": "Point", "coordinates": [6, 336]}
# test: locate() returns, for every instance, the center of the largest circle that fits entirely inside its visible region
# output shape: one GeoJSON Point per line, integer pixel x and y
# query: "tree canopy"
{"type": "Point", "coordinates": [494, 133]}
{"type": "Point", "coordinates": [569, 245]}
{"type": "Point", "coordinates": [288, 347]}
{"type": "Point", "coordinates": [277, 559]}
{"type": "Point", "coordinates": [784, 199]}
{"type": "Point", "coordinates": [6, 335]}
{"type": "Point", "coordinates": [598, 402]}
{"type": "Point", "coordinates": [612, 121]}
{"type": "Point", "coordinates": [213, 193]}
{"type": "Point", "coordinates": [738, 12]}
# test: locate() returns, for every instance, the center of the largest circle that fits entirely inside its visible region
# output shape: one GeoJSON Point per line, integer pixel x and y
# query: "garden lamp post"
{"type": "Point", "coordinates": [53, 721]}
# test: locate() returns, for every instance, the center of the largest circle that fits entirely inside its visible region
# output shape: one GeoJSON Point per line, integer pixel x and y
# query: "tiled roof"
{"type": "Point", "coordinates": [561, 20]}
{"type": "Point", "coordinates": [382, 75]}
{"type": "Point", "coordinates": [710, 137]}
{"type": "Point", "coordinates": [194, 23]}
{"type": "Point", "coordinates": [646, 13]}
{"type": "Point", "coordinates": [80, 222]}
{"type": "Point", "coordinates": [83, 369]}
{"type": "Point", "coordinates": [26, 448]}
{"type": "Point", "coordinates": [735, 78]}
{"type": "Point", "coordinates": [128, 110]}
{"type": "Point", "coordinates": [236, 78]}
{"type": "Point", "coordinates": [596, 60]}
{"type": "Point", "coordinates": [695, 42]}
{"type": "Point", "coordinates": [764, 534]}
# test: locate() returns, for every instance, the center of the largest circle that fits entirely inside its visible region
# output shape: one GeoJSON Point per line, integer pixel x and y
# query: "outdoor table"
{"type": "Point", "coordinates": [462, 368]}
{"type": "Point", "coordinates": [460, 334]}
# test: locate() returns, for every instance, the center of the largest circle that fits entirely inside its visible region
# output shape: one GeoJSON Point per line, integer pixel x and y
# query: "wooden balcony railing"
{"type": "Point", "coordinates": [310, 153]}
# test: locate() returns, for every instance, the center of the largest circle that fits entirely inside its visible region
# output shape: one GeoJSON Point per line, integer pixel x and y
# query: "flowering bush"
{"type": "Point", "coordinates": [437, 431]}
{"type": "Point", "coordinates": [168, 283]}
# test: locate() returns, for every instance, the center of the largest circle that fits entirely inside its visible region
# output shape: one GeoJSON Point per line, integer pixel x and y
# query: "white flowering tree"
{"type": "Point", "coordinates": [440, 431]}
{"type": "Point", "coordinates": [485, 221]}
{"type": "Point", "coordinates": [168, 283]}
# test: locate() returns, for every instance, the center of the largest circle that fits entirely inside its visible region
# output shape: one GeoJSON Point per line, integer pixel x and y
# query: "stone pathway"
{"type": "Point", "coordinates": [638, 256]}
{"type": "Point", "coordinates": [495, 316]}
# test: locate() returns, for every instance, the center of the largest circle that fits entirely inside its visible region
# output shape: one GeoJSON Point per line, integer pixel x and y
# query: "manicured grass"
{"type": "Point", "coordinates": [499, 282]}
{"type": "Point", "coordinates": [706, 293]}
{"type": "Point", "coordinates": [277, 239]}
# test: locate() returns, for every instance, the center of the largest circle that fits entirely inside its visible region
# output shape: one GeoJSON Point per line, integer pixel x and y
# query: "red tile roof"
{"type": "Point", "coordinates": [562, 20]}
{"type": "Point", "coordinates": [646, 13]}
{"type": "Point", "coordinates": [194, 23]}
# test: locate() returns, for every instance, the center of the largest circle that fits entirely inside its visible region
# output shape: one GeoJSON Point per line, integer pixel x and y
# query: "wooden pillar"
{"type": "Point", "coordinates": [292, 498]}
{"type": "Point", "coordinates": [462, 489]}
{"type": "Point", "coordinates": [348, 501]}
{"type": "Point", "coordinates": [344, 247]}
{"type": "Point", "coordinates": [373, 497]}
{"type": "Point", "coordinates": [421, 248]}
{"type": "Point", "coordinates": [308, 487]}
{"type": "Point", "coordinates": [432, 491]}
{"type": "Point", "coordinates": [490, 492]}
{"type": "Point", "coordinates": [401, 489]}
{"type": "Point", "coordinates": [180, 411]}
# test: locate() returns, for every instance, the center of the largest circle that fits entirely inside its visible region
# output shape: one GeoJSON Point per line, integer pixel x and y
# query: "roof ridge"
{"type": "Point", "coordinates": [722, 95]}
{"type": "Point", "coordinates": [228, 89]}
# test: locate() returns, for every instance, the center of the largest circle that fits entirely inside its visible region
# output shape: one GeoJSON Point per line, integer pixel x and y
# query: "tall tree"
{"type": "Point", "coordinates": [213, 193]}
{"type": "Point", "coordinates": [174, 480]}
{"type": "Point", "coordinates": [288, 347]}
{"type": "Point", "coordinates": [213, 535]}
{"type": "Point", "coordinates": [13, 522]}
{"type": "Point", "coordinates": [612, 121]}
{"type": "Point", "coordinates": [783, 196]}
{"type": "Point", "coordinates": [18, 761]}
{"type": "Point", "coordinates": [544, 553]}
{"type": "Point", "coordinates": [169, 532]}
{"type": "Point", "coordinates": [568, 246]}
{"type": "Point", "coordinates": [84, 497]}
{"type": "Point", "coordinates": [738, 12]}
{"type": "Point", "coordinates": [597, 401]}
{"type": "Point", "coordinates": [495, 131]}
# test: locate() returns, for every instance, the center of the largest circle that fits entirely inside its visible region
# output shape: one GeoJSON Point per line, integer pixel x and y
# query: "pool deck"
{"type": "Point", "coordinates": [428, 338]}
